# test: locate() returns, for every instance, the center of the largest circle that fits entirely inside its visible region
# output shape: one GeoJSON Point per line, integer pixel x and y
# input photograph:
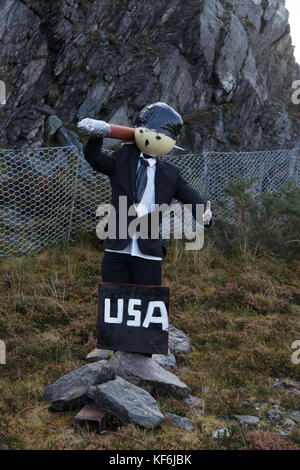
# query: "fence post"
{"type": "Point", "coordinates": [74, 196]}
{"type": "Point", "coordinates": [207, 164]}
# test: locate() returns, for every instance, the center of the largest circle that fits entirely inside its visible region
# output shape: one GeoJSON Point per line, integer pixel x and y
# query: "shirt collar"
{"type": "Point", "coordinates": [151, 160]}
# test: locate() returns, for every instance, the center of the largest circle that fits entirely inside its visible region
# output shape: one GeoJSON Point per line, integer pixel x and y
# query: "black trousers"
{"type": "Point", "coordinates": [126, 269]}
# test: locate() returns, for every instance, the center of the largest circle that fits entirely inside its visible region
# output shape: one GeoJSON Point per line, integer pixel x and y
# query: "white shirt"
{"type": "Point", "coordinates": [144, 207]}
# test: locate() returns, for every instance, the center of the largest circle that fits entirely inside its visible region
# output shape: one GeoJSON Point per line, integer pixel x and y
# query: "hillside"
{"type": "Point", "coordinates": [241, 314]}
{"type": "Point", "coordinates": [226, 65]}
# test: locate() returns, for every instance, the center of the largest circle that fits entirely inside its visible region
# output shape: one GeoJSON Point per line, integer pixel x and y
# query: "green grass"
{"type": "Point", "coordinates": [241, 314]}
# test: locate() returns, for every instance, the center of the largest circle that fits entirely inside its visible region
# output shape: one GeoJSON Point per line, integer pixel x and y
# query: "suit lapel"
{"type": "Point", "coordinates": [134, 159]}
{"type": "Point", "coordinates": [159, 177]}
{"type": "Point", "coordinates": [127, 181]}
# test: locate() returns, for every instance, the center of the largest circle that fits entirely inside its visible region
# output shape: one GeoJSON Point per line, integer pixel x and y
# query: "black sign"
{"type": "Point", "coordinates": [133, 318]}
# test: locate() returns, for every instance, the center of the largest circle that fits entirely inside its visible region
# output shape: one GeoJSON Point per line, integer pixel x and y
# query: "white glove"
{"type": "Point", "coordinates": [94, 127]}
{"type": "Point", "coordinates": [207, 216]}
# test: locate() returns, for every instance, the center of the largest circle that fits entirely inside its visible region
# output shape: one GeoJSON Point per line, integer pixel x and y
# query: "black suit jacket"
{"type": "Point", "coordinates": [121, 168]}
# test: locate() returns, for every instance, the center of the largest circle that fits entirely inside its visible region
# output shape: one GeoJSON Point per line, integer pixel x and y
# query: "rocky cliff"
{"type": "Point", "coordinates": [226, 65]}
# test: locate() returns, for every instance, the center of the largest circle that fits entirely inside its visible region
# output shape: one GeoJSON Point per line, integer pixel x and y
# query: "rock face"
{"type": "Point", "coordinates": [227, 67]}
{"type": "Point", "coordinates": [147, 374]}
{"type": "Point", "coordinates": [70, 390]}
{"type": "Point", "coordinates": [127, 402]}
{"type": "Point", "coordinates": [196, 404]}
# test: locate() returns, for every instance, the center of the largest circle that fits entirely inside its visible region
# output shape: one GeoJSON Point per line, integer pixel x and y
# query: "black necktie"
{"type": "Point", "coordinates": [141, 180]}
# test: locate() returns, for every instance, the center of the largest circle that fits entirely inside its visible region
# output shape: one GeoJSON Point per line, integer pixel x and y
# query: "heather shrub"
{"type": "Point", "coordinates": [270, 224]}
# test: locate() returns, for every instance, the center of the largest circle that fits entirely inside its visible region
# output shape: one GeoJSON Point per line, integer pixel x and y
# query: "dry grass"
{"type": "Point", "coordinates": [242, 316]}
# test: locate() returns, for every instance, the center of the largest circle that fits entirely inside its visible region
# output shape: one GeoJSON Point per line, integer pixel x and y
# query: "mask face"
{"type": "Point", "coordinates": [153, 143]}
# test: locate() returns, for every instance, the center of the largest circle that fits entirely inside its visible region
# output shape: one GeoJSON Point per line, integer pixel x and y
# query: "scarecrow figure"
{"type": "Point", "coordinates": [136, 171]}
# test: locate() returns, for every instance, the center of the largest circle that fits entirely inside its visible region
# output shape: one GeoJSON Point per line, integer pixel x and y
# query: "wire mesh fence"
{"type": "Point", "coordinates": [37, 195]}
{"type": "Point", "coordinates": [48, 195]}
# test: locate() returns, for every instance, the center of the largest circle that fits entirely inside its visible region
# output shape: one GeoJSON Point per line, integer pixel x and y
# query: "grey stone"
{"type": "Point", "coordinates": [250, 73]}
{"type": "Point", "coordinates": [147, 95]}
{"type": "Point", "coordinates": [121, 116]}
{"type": "Point", "coordinates": [45, 109]}
{"type": "Point", "coordinates": [98, 355]}
{"type": "Point", "coordinates": [167, 362]}
{"type": "Point", "coordinates": [250, 10]}
{"type": "Point", "coordinates": [127, 402]}
{"type": "Point", "coordinates": [178, 341]}
{"type": "Point", "coordinates": [176, 81]}
{"type": "Point", "coordinates": [295, 415]}
{"type": "Point", "coordinates": [289, 422]}
{"type": "Point", "coordinates": [284, 384]}
{"type": "Point", "coordinates": [276, 17]}
{"type": "Point", "coordinates": [92, 104]}
{"type": "Point", "coordinates": [274, 415]}
{"type": "Point", "coordinates": [245, 420]}
{"type": "Point", "coordinates": [70, 390]}
{"type": "Point", "coordinates": [31, 73]}
{"type": "Point", "coordinates": [67, 137]}
{"type": "Point", "coordinates": [211, 23]}
{"type": "Point", "coordinates": [232, 55]}
{"type": "Point", "coordinates": [192, 401]}
{"type": "Point", "coordinates": [146, 373]}
{"type": "Point", "coordinates": [168, 13]}
{"type": "Point", "coordinates": [52, 125]}
{"type": "Point", "coordinates": [220, 433]}
{"type": "Point", "coordinates": [179, 421]}
{"type": "Point", "coordinates": [249, 404]}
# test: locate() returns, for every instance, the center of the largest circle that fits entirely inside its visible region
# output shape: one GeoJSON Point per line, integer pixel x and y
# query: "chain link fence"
{"type": "Point", "coordinates": [48, 195]}
{"type": "Point", "coordinates": [37, 195]}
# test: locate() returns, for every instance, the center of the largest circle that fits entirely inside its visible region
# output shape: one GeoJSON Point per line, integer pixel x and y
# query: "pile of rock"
{"type": "Point", "coordinates": [122, 385]}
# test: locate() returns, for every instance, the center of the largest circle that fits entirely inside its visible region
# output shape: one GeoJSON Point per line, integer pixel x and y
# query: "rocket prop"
{"type": "Point", "coordinates": [156, 134]}
{"type": "Point", "coordinates": [103, 129]}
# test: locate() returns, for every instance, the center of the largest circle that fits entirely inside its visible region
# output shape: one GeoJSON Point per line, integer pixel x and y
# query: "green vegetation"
{"type": "Point", "coordinates": [270, 224]}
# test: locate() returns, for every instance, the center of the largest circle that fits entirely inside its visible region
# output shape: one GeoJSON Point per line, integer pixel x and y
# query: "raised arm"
{"type": "Point", "coordinates": [96, 158]}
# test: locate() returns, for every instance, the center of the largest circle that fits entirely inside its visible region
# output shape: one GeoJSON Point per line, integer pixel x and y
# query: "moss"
{"type": "Point", "coordinates": [250, 24]}
{"type": "Point", "coordinates": [237, 137]}
{"type": "Point", "coordinates": [75, 28]}
{"type": "Point", "coordinates": [201, 116]}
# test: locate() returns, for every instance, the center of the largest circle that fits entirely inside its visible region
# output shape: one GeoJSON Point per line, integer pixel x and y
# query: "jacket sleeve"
{"type": "Point", "coordinates": [188, 195]}
{"type": "Point", "coordinates": [96, 158]}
